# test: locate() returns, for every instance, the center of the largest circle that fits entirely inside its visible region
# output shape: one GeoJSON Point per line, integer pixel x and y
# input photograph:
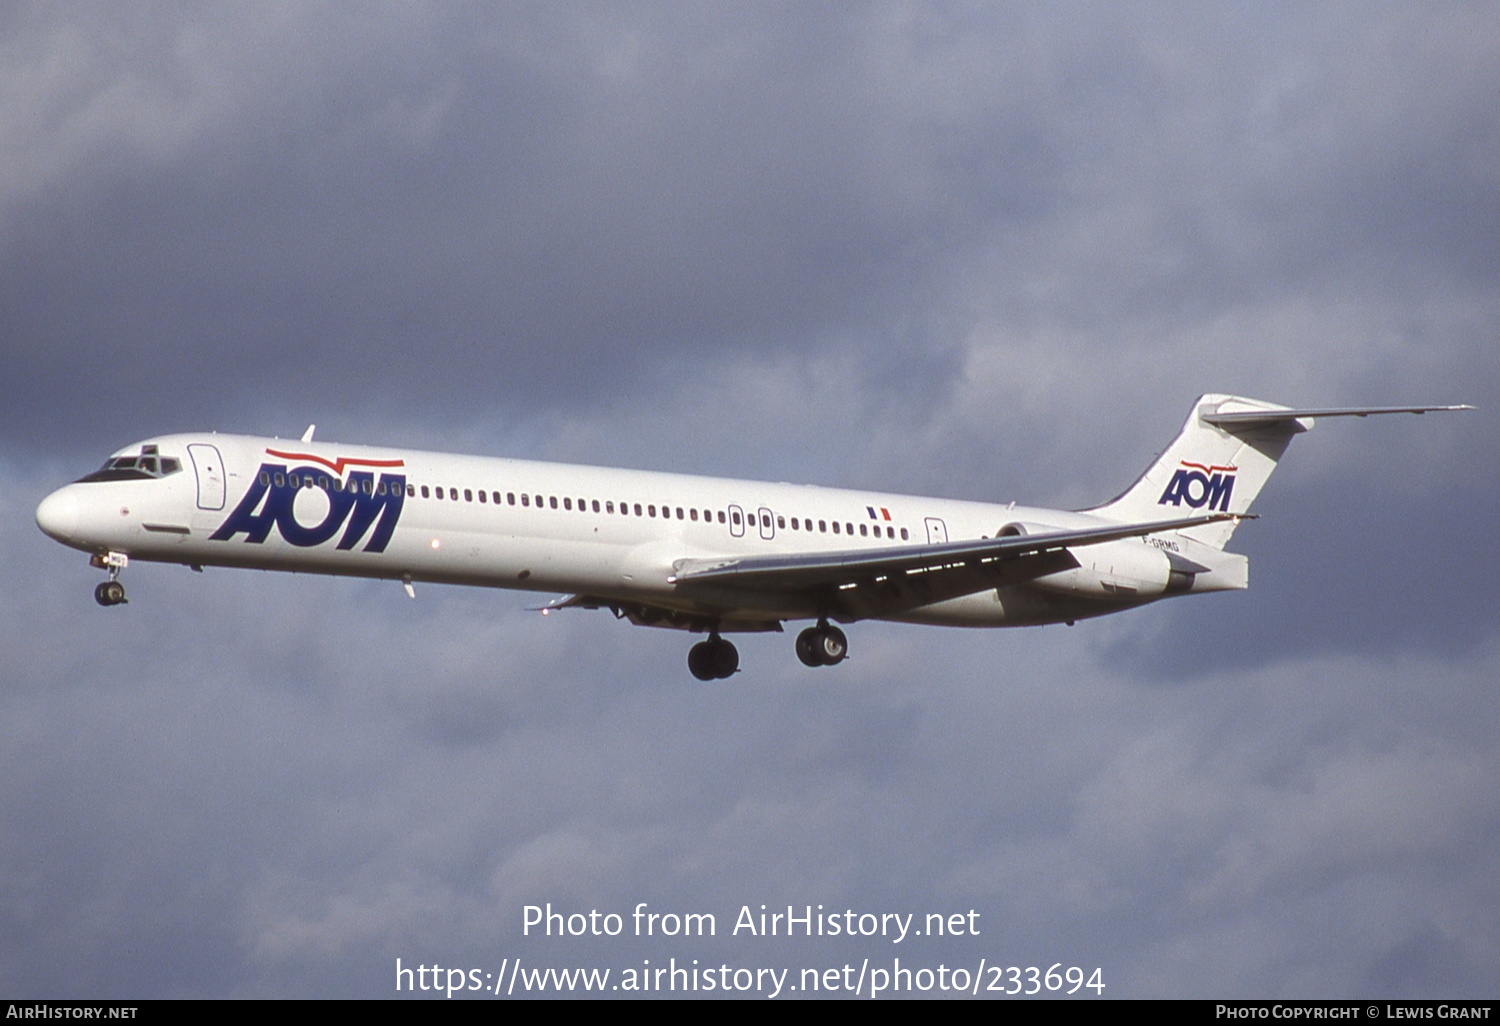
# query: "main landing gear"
{"type": "Point", "coordinates": [714, 659]}
{"type": "Point", "coordinates": [823, 645]}
{"type": "Point", "coordinates": [110, 592]}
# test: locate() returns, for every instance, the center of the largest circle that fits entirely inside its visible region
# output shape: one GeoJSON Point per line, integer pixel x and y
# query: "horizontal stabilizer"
{"type": "Point", "coordinates": [1246, 418]}
{"type": "Point", "coordinates": [1222, 458]}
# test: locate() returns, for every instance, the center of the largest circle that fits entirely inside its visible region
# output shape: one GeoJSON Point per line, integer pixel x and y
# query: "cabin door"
{"type": "Point", "coordinates": [210, 470]}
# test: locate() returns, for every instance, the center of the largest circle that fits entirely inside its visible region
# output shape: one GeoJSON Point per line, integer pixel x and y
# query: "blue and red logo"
{"type": "Point", "coordinates": [358, 502]}
{"type": "Point", "coordinates": [1199, 485]}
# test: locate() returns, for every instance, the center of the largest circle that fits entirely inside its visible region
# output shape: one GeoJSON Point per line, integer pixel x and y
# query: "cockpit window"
{"type": "Point", "coordinates": [146, 467]}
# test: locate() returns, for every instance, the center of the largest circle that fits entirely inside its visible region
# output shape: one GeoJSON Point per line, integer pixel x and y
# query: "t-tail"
{"type": "Point", "coordinates": [1222, 459]}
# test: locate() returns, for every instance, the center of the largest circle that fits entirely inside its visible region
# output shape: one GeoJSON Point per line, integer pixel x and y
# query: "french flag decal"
{"type": "Point", "coordinates": [880, 514]}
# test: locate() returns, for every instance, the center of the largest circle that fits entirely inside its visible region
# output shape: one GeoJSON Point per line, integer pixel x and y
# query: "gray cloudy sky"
{"type": "Point", "coordinates": [989, 251]}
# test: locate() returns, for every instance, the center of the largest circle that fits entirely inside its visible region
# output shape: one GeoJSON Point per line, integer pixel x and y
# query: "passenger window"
{"type": "Point", "coordinates": [483, 497]}
{"type": "Point", "coordinates": [694, 512]}
{"type": "Point", "coordinates": [567, 503]}
{"type": "Point", "coordinates": [638, 509]}
{"type": "Point", "coordinates": [525, 499]}
{"type": "Point", "coordinates": [734, 517]}
{"type": "Point", "coordinates": [552, 501]}
{"type": "Point", "coordinates": [510, 498]}
{"type": "Point", "coordinates": [721, 516]}
{"type": "Point", "coordinates": [596, 505]}
{"type": "Point", "coordinates": [835, 527]}
{"type": "Point", "coordinates": [468, 495]}
{"type": "Point", "coordinates": [904, 535]}
{"type": "Point", "coordinates": [823, 526]}
{"type": "Point", "coordinates": [781, 522]}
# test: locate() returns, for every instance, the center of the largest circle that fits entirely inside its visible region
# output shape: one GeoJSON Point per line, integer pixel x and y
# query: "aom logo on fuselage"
{"type": "Point", "coordinates": [1199, 486]}
{"type": "Point", "coordinates": [354, 503]}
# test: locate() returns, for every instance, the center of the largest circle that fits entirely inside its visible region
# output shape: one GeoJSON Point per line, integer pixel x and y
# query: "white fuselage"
{"type": "Point", "coordinates": [701, 554]}
{"type": "Point", "coordinates": [612, 536]}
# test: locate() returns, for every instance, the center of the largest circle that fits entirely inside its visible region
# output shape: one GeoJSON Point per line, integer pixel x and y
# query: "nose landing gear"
{"type": "Point", "coordinates": [823, 645]}
{"type": "Point", "coordinates": [110, 592]}
{"type": "Point", "coordinates": [714, 659]}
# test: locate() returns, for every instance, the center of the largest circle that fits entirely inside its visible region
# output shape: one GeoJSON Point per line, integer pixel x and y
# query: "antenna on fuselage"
{"type": "Point", "coordinates": [307, 435]}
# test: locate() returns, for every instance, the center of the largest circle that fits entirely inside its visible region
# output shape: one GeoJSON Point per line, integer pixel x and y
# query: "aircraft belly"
{"type": "Point", "coordinates": [484, 560]}
{"type": "Point", "coordinates": [1017, 605]}
{"type": "Point", "coordinates": [743, 604]}
{"type": "Point", "coordinates": [451, 557]}
{"type": "Point", "coordinates": [983, 609]}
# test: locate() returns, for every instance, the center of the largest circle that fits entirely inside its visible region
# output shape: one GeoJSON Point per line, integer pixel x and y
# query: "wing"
{"type": "Point", "coordinates": [812, 570]}
{"type": "Point", "coordinates": [756, 593]}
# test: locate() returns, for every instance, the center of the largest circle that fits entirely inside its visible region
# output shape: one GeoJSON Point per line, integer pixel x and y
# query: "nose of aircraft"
{"type": "Point", "coordinates": [58, 514]}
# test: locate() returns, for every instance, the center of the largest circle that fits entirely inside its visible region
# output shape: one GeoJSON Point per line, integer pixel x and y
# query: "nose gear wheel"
{"type": "Point", "coordinates": [109, 593]}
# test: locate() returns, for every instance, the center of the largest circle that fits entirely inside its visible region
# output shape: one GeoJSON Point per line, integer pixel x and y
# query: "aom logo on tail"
{"type": "Point", "coordinates": [355, 503]}
{"type": "Point", "coordinates": [1199, 486]}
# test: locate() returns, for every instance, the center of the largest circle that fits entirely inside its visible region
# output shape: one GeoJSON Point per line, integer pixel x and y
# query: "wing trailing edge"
{"type": "Point", "coordinates": [826, 568]}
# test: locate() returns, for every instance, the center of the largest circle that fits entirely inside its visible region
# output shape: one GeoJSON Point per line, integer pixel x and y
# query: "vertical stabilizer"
{"type": "Point", "coordinates": [1216, 464]}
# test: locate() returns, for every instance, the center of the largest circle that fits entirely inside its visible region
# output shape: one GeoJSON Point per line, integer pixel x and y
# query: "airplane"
{"type": "Point", "coordinates": [705, 555]}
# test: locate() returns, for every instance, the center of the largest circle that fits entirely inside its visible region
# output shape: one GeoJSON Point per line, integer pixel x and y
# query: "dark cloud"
{"type": "Point", "coordinates": [981, 252]}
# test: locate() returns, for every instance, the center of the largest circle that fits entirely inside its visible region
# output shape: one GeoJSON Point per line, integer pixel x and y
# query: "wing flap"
{"type": "Point", "coordinates": [831, 568]}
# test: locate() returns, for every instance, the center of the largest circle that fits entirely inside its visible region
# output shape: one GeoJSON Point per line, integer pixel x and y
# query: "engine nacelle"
{"type": "Point", "coordinates": [1132, 568]}
{"type": "Point", "coordinates": [1018, 527]}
